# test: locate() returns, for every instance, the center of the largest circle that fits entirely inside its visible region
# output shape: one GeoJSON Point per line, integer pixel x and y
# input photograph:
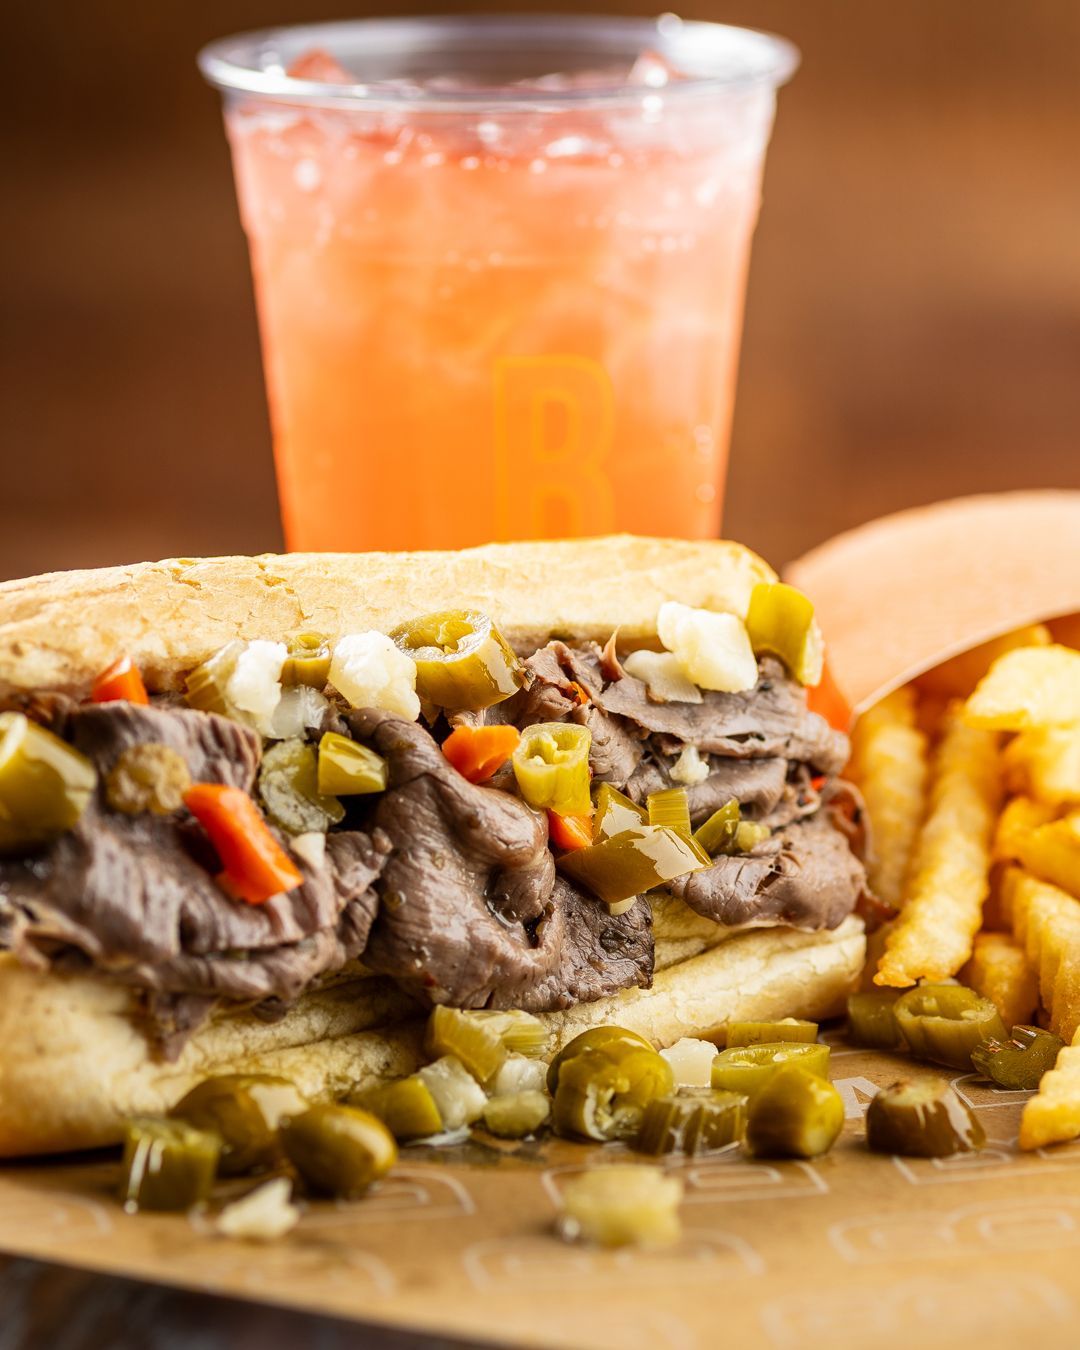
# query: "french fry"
{"type": "Point", "coordinates": [1028, 687]}
{"type": "Point", "coordinates": [1052, 1116]}
{"type": "Point", "coordinates": [1046, 923]}
{"type": "Point", "coordinates": [1020, 816]}
{"type": "Point", "coordinates": [1045, 762]}
{"type": "Point", "coordinates": [1053, 853]}
{"type": "Point", "coordinates": [956, 678]}
{"type": "Point", "coordinates": [889, 762]}
{"type": "Point", "coordinates": [1000, 971]}
{"type": "Point", "coordinates": [933, 936]}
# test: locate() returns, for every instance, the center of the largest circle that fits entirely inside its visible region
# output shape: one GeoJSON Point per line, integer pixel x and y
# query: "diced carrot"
{"type": "Point", "coordinates": [480, 752]}
{"type": "Point", "coordinates": [121, 681]}
{"type": "Point", "coordinates": [570, 832]}
{"type": "Point", "coordinates": [255, 865]}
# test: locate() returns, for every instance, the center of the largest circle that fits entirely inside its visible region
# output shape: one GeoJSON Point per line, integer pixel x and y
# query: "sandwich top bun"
{"type": "Point", "coordinates": [60, 630]}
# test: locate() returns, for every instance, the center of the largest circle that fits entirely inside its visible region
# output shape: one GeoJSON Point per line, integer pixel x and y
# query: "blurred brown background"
{"type": "Point", "coordinates": [913, 328]}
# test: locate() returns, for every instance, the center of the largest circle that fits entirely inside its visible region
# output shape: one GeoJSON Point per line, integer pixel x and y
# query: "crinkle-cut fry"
{"type": "Point", "coordinates": [889, 762]}
{"type": "Point", "coordinates": [957, 677]}
{"type": "Point", "coordinates": [933, 936]}
{"type": "Point", "coordinates": [1045, 762]}
{"type": "Point", "coordinates": [1020, 817]}
{"type": "Point", "coordinates": [1052, 1116]}
{"type": "Point", "coordinates": [1053, 853]}
{"type": "Point", "coordinates": [1000, 971]}
{"type": "Point", "coordinates": [1028, 687]}
{"type": "Point", "coordinates": [1046, 922]}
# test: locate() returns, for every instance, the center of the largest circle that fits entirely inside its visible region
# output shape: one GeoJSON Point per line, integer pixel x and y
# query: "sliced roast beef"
{"type": "Point", "coordinates": [136, 895]}
{"type": "Point", "coordinates": [471, 911]}
{"type": "Point", "coordinates": [757, 784]}
{"type": "Point", "coordinates": [805, 877]}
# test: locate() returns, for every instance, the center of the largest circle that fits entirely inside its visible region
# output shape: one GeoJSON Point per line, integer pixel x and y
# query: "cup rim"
{"type": "Point", "coordinates": [718, 58]}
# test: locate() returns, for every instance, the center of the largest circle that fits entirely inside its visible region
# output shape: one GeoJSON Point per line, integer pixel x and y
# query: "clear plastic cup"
{"type": "Point", "coordinates": [500, 265]}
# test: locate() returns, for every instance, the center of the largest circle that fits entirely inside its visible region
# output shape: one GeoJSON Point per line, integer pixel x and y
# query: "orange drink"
{"type": "Point", "coordinates": [499, 266]}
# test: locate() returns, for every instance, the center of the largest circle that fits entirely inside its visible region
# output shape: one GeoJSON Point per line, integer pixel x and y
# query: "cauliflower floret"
{"type": "Point", "coordinates": [713, 649]}
{"type": "Point", "coordinates": [691, 1061]}
{"type": "Point", "coordinates": [369, 671]}
{"type": "Point", "coordinates": [254, 687]}
{"type": "Point", "coordinates": [663, 675]}
{"type": "Point", "coordinates": [690, 769]}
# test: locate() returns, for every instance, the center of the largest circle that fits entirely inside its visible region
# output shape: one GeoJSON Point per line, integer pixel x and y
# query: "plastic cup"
{"type": "Point", "coordinates": [500, 265]}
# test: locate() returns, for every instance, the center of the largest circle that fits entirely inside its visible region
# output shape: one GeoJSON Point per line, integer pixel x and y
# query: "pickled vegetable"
{"type": "Point", "coordinates": [338, 1150]}
{"type": "Point", "coordinates": [753, 1033]}
{"type": "Point", "coordinates": [694, 1121]}
{"type": "Point", "coordinates": [691, 1061]}
{"type": "Point", "coordinates": [476, 1043]}
{"type": "Point", "coordinates": [621, 1206]}
{"type": "Point", "coordinates": [244, 1111]}
{"type": "Point", "coordinates": [796, 1114]}
{"type": "Point", "coordinates": [349, 769]}
{"type": "Point", "coordinates": [308, 660]}
{"type": "Point", "coordinates": [458, 1097]}
{"type": "Point", "coordinates": [520, 1032]}
{"type": "Point", "coordinates": [462, 660]}
{"type": "Point", "coordinates": [406, 1107]}
{"type": "Point", "coordinates": [747, 1068]}
{"type": "Point", "coordinates": [748, 834]}
{"type": "Point", "coordinates": [872, 1019]}
{"type": "Point", "coordinates": [923, 1118]}
{"type": "Point", "coordinates": [671, 808]}
{"type": "Point", "coordinates": [615, 812]}
{"type": "Point", "coordinates": [613, 1039]}
{"type": "Point", "coordinates": [168, 1164]}
{"type": "Point", "coordinates": [517, 1115]}
{"type": "Point", "coordinates": [148, 777]}
{"type": "Point", "coordinates": [945, 1022]}
{"type": "Point", "coordinates": [781, 622]}
{"type": "Point", "coordinates": [207, 684]}
{"type": "Point", "coordinates": [632, 862]}
{"type": "Point", "coordinates": [289, 787]}
{"type": "Point", "coordinates": [1020, 1062]}
{"type": "Point", "coordinates": [717, 834]}
{"type": "Point", "coordinates": [551, 765]}
{"type": "Point", "coordinates": [602, 1093]}
{"type": "Point", "coordinates": [45, 784]}
{"type": "Point", "coordinates": [518, 1074]}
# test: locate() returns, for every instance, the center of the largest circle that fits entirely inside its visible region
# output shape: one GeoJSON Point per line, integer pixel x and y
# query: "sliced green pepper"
{"type": "Point", "coordinates": [615, 812]}
{"type": "Point", "coordinates": [747, 1068]}
{"type": "Point", "coordinates": [748, 834]}
{"type": "Point", "coordinates": [45, 784]}
{"type": "Point", "coordinates": [872, 1019]}
{"type": "Point", "coordinates": [670, 807]}
{"type": "Point", "coordinates": [795, 1114]}
{"type": "Point", "coordinates": [921, 1119]}
{"type": "Point", "coordinates": [308, 660]}
{"type": "Point", "coordinates": [717, 834]}
{"type": "Point", "coordinates": [348, 769]}
{"type": "Point", "coordinates": [614, 1039]}
{"type": "Point", "coordinates": [150, 777]}
{"type": "Point", "coordinates": [289, 787]}
{"type": "Point", "coordinates": [168, 1164]}
{"type": "Point", "coordinates": [338, 1150]}
{"type": "Point", "coordinates": [244, 1111]}
{"type": "Point", "coordinates": [1018, 1063]}
{"type": "Point", "coordinates": [406, 1107]}
{"type": "Point", "coordinates": [551, 765]}
{"type": "Point", "coordinates": [754, 1033]}
{"type": "Point", "coordinates": [462, 660]}
{"type": "Point", "coordinates": [602, 1094]}
{"type": "Point", "coordinates": [780, 622]}
{"type": "Point", "coordinates": [945, 1022]}
{"type": "Point", "coordinates": [476, 1043]}
{"type": "Point", "coordinates": [696, 1120]}
{"type": "Point", "coordinates": [632, 862]}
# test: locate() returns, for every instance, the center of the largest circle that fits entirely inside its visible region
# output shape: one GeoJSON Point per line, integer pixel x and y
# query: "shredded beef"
{"type": "Point", "coordinates": [471, 911]}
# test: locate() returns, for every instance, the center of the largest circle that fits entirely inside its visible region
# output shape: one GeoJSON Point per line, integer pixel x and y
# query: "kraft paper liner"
{"type": "Point", "coordinates": [850, 1251]}
{"type": "Point", "coordinates": [903, 593]}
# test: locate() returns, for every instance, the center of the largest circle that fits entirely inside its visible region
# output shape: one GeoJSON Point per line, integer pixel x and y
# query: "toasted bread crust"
{"type": "Point", "coordinates": [59, 630]}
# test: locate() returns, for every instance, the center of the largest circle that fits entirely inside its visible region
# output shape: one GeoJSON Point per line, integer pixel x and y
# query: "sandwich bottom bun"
{"type": "Point", "coordinates": [74, 1063]}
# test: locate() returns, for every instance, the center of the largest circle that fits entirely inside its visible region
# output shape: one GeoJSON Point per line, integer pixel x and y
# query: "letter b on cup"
{"type": "Point", "coordinates": [554, 425]}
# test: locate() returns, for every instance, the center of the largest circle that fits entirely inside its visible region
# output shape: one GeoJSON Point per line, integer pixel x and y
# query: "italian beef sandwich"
{"type": "Point", "coordinates": [262, 814]}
